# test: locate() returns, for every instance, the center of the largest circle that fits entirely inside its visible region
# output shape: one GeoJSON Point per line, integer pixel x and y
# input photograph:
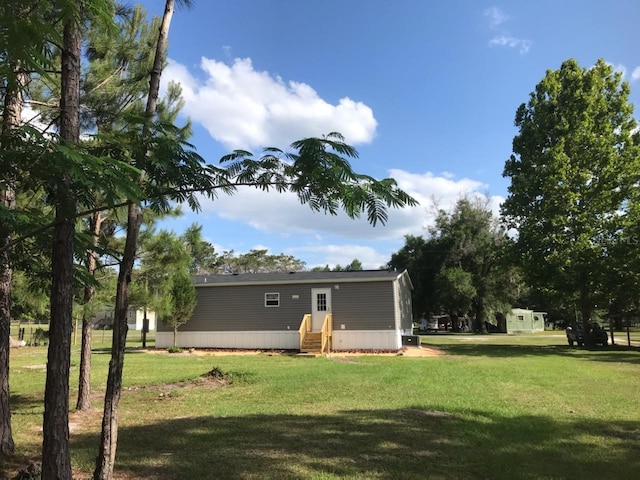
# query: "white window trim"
{"type": "Point", "coordinates": [266, 295]}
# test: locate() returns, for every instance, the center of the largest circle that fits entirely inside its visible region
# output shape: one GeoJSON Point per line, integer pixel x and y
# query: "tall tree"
{"type": "Point", "coordinates": [11, 119]}
{"type": "Point", "coordinates": [114, 84]}
{"type": "Point", "coordinates": [84, 377]}
{"type": "Point", "coordinates": [161, 253]}
{"type": "Point", "coordinates": [473, 270]}
{"type": "Point", "coordinates": [257, 261]}
{"type": "Point", "coordinates": [70, 174]}
{"type": "Point", "coordinates": [24, 36]}
{"type": "Point", "coordinates": [181, 301]}
{"type": "Point", "coordinates": [109, 434]}
{"type": "Point", "coordinates": [56, 457]}
{"type": "Point", "coordinates": [355, 265]}
{"type": "Point", "coordinates": [423, 258]}
{"type": "Point", "coordinates": [460, 268]}
{"type": "Point", "coordinates": [573, 172]}
{"type": "Point", "coordinates": [456, 290]}
{"type": "Point", "coordinates": [203, 254]}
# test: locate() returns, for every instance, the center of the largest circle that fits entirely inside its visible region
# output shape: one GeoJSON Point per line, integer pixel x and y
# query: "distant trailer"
{"type": "Point", "coordinates": [520, 320]}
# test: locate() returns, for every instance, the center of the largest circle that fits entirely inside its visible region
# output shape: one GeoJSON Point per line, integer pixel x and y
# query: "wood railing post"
{"type": "Point", "coordinates": [305, 326]}
{"type": "Point", "coordinates": [326, 333]}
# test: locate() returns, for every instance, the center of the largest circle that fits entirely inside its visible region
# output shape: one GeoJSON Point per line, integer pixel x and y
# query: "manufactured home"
{"type": "Point", "coordinates": [307, 311]}
{"type": "Point", "coordinates": [520, 320]}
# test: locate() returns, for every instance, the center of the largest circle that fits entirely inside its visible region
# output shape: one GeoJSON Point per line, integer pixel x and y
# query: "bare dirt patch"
{"type": "Point", "coordinates": [42, 366]}
{"type": "Point", "coordinates": [85, 420]}
{"type": "Point", "coordinates": [214, 378]}
{"type": "Point", "coordinates": [405, 352]}
{"type": "Point", "coordinates": [222, 351]}
{"type": "Point", "coordinates": [422, 352]}
{"type": "Point", "coordinates": [81, 421]}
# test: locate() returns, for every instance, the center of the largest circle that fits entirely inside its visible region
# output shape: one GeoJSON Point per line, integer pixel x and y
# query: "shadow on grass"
{"type": "Point", "coordinates": [107, 350]}
{"type": "Point", "coordinates": [25, 404]}
{"type": "Point", "coordinates": [411, 443]}
{"type": "Point", "coordinates": [612, 353]}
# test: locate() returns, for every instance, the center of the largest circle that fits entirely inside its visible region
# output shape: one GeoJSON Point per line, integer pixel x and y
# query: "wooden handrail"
{"type": "Point", "coordinates": [305, 326]}
{"type": "Point", "coordinates": [327, 333]}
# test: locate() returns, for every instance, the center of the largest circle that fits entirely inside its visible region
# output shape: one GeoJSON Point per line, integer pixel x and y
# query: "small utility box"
{"type": "Point", "coordinates": [411, 340]}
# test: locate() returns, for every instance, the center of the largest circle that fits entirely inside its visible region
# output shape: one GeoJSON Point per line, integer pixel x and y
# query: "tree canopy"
{"type": "Point", "coordinates": [181, 301]}
{"type": "Point", "coordinates": [574, 175]}
{"type": "Point", "coordinates": [460, 268]}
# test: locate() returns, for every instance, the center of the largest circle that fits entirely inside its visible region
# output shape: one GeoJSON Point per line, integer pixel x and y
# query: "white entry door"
{"type": "Point", "coordinates": [320, 306]}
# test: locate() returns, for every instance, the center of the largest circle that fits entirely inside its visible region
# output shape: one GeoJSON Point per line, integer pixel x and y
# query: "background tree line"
{"type": "Point", "coordinates": [566, 239]}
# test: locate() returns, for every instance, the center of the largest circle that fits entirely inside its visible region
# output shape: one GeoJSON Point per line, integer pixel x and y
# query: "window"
{"type": "Point", "coordinates": [521, 318]}
{"type": "Point", "coordinates": [271, 299]}
{"type": "Point", "coordinates": [322, 302]}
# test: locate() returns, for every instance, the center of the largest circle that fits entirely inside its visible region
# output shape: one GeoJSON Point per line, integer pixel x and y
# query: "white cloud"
{"type": "Point", "coordinates": [512, 42]}
{"type": "Point", "coordinates": [282, 214]}
{"type": "Point", "coordinates": [635, 73]}
{"type": "Point", "coordinates": [33, 118]}
{"type": "Point", "coordinates": [502, 38]}
{"type": "Point", "coordinates": [245, 108]}
{"type": "Point", "coordinates": [283, 225]}
{"type": "Point", "coordinates": [496, 16]}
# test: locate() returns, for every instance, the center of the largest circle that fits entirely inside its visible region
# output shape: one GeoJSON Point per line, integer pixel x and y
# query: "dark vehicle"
{"type": "Point", "coordinates": [596, 334]}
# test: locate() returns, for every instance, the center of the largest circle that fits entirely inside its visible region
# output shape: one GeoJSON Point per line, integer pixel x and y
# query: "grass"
{"type": "Point", "coordinates": [504, 407]}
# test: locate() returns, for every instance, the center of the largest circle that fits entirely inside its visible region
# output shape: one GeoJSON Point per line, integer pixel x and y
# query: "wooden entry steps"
{"type": "Point", "coordinates": [312, 343]}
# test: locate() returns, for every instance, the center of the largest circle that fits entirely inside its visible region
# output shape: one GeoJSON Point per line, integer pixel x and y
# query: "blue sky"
{"type": "Point", "coordinates": [425, 90]}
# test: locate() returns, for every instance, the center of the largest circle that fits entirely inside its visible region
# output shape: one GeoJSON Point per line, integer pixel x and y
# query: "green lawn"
{"type": "Point", "coordinates": [505, 407]}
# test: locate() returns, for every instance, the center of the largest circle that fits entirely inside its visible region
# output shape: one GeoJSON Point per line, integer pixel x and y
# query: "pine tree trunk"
{"type": "Point", "coordinates": [109, 436]}
{"type": "Point", "coordinates": [84, 379]}
{"type": "Point", "coordinates": [158, 61]}
{"type": "Point", "coordinates": [7, 198]}
{"type": "Point", "coordinates": [56, 456]}
{"type": "Point", "coordinates": [11, 117]}
{"type": "Point", "coordinates": [84, 376]}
